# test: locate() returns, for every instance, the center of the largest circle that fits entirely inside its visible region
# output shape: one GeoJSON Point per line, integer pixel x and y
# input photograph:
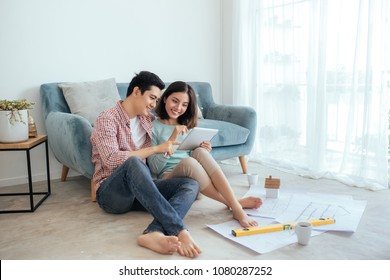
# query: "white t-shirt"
{"type": "Point", "coordinates": [138, 133]}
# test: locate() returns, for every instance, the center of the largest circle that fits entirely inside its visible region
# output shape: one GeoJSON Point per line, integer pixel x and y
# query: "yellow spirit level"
{"type": "Point", "coordinates": [279, 227]}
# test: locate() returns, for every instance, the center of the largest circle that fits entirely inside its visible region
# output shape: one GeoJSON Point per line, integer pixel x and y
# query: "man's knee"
{"type": "Point", "coordinates": [134, 162]}
{"type": "Point", "coordinates": [135, 166]}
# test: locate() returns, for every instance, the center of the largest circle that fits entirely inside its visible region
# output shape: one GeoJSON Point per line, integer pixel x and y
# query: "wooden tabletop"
{"type": "Point", "coordinates": [31, 142]}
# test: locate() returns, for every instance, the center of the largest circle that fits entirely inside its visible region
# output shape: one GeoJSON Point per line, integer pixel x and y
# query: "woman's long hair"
{"type": "Point", "coordinates": [190, 117]}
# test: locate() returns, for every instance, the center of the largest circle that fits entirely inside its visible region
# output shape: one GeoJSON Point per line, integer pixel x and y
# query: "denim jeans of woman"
{"type": "Point", "coordinates": [131, 187]}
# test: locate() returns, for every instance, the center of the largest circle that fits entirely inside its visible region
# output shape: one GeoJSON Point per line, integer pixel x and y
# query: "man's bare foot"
{"type": "Point", "coordinates": [243, 218]}
{"type": "Point", "coordinates": [250, 202]}
{"type": "Point", "coordinates": [188, 246]}
{"type": "Point", "coordinates": [160, 243]}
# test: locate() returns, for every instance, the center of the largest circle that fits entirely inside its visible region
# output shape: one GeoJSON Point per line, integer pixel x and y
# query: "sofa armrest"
{"type": "Point", "coordinates": [241, 115]}
{"type": "Point", "coordinates": [69, 139]}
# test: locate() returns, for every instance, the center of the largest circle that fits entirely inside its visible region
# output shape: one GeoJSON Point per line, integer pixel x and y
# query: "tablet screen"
{"type": "Point", "coordinates": [196, 136]}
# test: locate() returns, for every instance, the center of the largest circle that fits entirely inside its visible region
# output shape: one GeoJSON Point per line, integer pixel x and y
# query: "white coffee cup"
{"type": "Point", "coordinates": [253, 178]}
{"type": "Point", "coordinates": [303, 232]}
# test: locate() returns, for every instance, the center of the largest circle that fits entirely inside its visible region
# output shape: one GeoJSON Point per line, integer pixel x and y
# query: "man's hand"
{"type": "Point", "coordinates": [166, 148]}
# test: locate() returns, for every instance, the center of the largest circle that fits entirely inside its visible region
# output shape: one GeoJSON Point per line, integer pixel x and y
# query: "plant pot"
{"type": "Point", "coordinates": [16, 131]}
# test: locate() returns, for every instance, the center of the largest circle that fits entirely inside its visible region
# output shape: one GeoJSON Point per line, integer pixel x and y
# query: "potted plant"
{"type": "Point", "coordinates": [14, 120]}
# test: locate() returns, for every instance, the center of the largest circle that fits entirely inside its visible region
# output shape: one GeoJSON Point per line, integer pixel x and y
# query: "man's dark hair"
{"type": "Point", "coordinates": [144, 80]}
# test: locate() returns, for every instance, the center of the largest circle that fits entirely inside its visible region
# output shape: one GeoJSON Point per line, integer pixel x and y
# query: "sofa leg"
{"type": "Point", "coordinates": [243, 164]}
{"type": "Point", "coordinates": [93, 192]}
{"type": "Point", "coordinates": [64, 173]}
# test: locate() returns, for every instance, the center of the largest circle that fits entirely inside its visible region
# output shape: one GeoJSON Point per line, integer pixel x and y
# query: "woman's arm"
{"type": "Point", "coordinates": [157, 161]}
{"type": "Point", "coordinates": [178, 130]}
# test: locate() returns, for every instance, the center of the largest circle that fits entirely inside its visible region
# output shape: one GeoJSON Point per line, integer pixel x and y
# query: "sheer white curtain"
{"type": "Point", "coordinates": [317, 72]}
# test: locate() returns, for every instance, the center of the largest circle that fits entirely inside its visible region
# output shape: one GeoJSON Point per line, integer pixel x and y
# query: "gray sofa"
{"type": "Point", "coordinates": [69, 134]}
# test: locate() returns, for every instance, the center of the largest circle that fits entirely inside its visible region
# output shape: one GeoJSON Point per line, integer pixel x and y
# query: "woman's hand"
{"type": "Point", "coordinates": [179, 129]}
{"type": "Point", "coordinates": [206, 145]}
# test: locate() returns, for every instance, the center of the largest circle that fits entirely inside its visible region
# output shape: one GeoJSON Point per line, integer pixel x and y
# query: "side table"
{"type": "Point", "coordinates": [27, 146]}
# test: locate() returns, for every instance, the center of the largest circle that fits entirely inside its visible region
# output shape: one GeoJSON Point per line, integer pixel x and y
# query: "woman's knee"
{"type": "Point", "coordinates": [206, 160]}
{"type": "Point", "coordinates": [190, 161]}
{"type": "Point", "coordinates": [188, 165]}
{"type": "Point", "coordinates": [200, 153]}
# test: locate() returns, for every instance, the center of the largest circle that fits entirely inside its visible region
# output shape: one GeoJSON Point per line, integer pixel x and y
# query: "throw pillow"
{"type": "Point", "coordinates": [88, 99]}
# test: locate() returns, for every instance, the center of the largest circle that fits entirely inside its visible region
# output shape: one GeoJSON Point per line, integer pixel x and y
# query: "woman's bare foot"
{"type": "Point", "coordinates": [188, 246]}
{"type": "Point", "coordinates": [160, 243]}
{"type": "Point", "coordinates": [243, 218]}
{"type": "Point", "coordinates": [250, 202]}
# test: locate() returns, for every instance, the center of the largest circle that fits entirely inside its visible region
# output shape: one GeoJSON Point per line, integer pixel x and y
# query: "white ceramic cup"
{"type": "Point", "coordinates": [253, 178]}
{"type": "Point", "coordinates": [303, 232]}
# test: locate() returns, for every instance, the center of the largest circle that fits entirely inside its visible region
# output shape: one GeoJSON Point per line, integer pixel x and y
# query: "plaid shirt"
{"type": "Point", "coordinates": [112, 140]}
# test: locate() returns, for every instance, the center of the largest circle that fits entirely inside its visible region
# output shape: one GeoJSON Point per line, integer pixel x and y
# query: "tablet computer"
{"type": "Point", "coordinates": [196, 136]}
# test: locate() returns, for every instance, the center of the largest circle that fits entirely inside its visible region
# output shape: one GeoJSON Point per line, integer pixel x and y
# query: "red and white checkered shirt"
{"type": "Point", "coordinates": [112, 140]}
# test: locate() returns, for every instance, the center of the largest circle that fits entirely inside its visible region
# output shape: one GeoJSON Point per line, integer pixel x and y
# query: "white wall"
{"type": "Point", "coordinates": [45, 41]}
{"type": "Point", "coordinates": [227, 51]}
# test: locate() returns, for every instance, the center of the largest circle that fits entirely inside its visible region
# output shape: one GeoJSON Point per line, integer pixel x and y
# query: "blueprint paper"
{"type": "Point", "coordinates": [292, 206]}
{"type": "Point", "coordinates": [346, 212]}
{"type": "Point", "coordinates": [271, 207]}
{"type": "Point", "coordinates": [260, 243]}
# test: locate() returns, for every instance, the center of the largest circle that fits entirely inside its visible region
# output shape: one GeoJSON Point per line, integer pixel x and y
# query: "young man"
{"type": "Point", "coordinates": [121, 141]}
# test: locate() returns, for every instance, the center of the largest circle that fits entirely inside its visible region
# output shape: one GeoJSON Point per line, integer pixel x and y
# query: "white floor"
{"type": "Point", "coordinates": [68, 226]}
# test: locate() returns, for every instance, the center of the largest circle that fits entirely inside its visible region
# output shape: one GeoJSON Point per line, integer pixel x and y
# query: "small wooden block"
{"type": "Point", "coordinates": [272, 183]}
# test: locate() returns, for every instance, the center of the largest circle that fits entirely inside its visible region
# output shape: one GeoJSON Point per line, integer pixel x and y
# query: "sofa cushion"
{"type": "Point", "coordinates": [228, 133]}
{"type": "Point", "coordinates": [88, 99]}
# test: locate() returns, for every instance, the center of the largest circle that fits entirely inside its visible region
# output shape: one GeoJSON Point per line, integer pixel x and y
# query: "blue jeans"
{"type": "Point", "coordinates": [131, 187]}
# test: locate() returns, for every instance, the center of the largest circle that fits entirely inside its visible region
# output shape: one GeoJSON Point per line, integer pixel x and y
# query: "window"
{"type": "Point", "coordinates": [318, 85]}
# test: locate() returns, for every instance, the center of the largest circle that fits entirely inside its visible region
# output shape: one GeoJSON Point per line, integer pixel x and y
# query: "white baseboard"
{"type": "Point", "coordinates": [24, 179]}
{"type": "Point", "coordinates": [41, 177]}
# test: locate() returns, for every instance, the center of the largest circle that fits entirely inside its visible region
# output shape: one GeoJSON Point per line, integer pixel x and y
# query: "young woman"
{"type": "Point", "coordinates": [177, 113]}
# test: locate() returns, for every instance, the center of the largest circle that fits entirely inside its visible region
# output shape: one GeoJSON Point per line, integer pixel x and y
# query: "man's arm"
{"type": "Point", "coordinates": [142, 153]}
{"type": "Point", "coordinates": [104, 138]}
